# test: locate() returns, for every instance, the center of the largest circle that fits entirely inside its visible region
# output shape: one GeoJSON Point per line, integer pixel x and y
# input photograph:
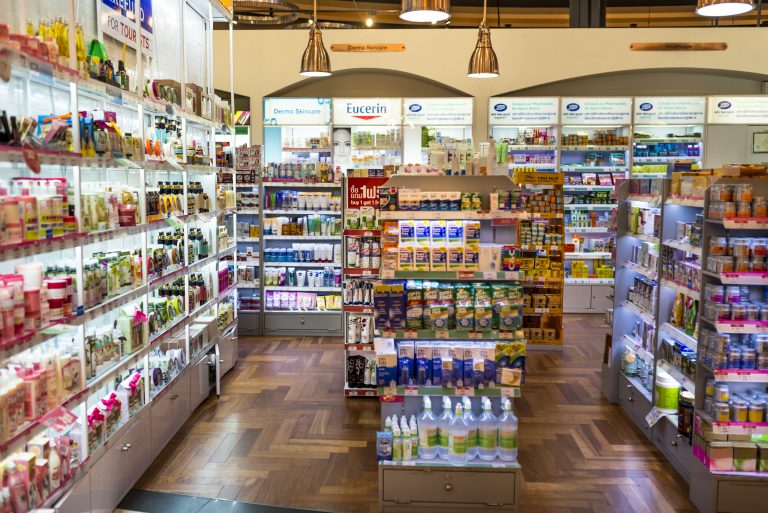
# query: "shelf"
{"type": "Point", "coordinates": [542, 311]}
{"type": "Point", "coordinates": [643, 237]}
{"type": "Point", "coordinates": [376, 148]}
{"type": "Point", "coordinates": [747, 223]}
{"type": "Point", "coordinates": [38, 247]}
{"type": "Point", "coordinates": [388, 274]}
{"type": "Point", "coordinates": [359, 271]}
{"type": "Point", "coordinates": [679, 335]}
{"type": "Point", "coordinates": [683, 246]}
{"type": "Point", "coordinates": [741, 375]}
{"type": "Point", "coordinates": [224, 293]}
{"type": "Point", "coordinates": [360, 392]}
{"type": "Point", "coordinates": [166, 277]}
{"type": "Point", "coordinates": [607, 206]}
{"type": "Point", "coordinates": [203, 262]}
{"type": "Point", "coordinates": [531, 147]}
{"type": "Point", "coordinates": [589, 281]}
{"type": "Point", "coordinates": [646, 356]}
{"type": "Point", "coordinates": [739, 428]}
{"type": "Point", "coordinates": [587, 229]}
{"type": "Point", "coordinates": [204, 307]}
{"type": "Point", "coordinates": [421, 390]}
{"type": "Point", "coordinates": [302, 289]}
{"type": "Point", "coordinates": [301, 237]}
{"type": "Point", "coordinates": [678, 376]}
{"type": "Point", "coordinates": [308, 149]}
{"type": "Point", "coordinates": [647, 176]}
{"type": "Point", "coordinates": [532, 165]}
{"type": "Point", "coordinates": [680, 140]}
{"type": "Point", "coordinates": [665, 158]}
{"type": "Point", "coordinates": [743, 327]}
{"type": "Point", "coordinates": [588, 188]}
{"type": "Point", "coordinates": [442, 464]}
{"type": "Point", "coordinates": [595, 255]}
{"type": "Point", "coordinates": [358, 309]}
{"type": "Point", "coordinates": [302, 312]}
{"type": "Point", "coordinates": [359, 347]}
{"type": "Point", "coordinates": [681, 288]}
{"type": "Point", "coordinates": [654, 200]}
{"type": "Point", "coordinates": [542, 279]}
{"type": "Point", "coordinates": [639, 269]}
{"type": "Point", "coordinates": [299, 183]}
{"type": "Point", "coordinates": [640, 312]}
{"type": "Point", "coordinates": [362, 233]}
{"type": "Point", "coordinates": [539, 247]}
{"type": "Point", "coordinates": [685, 201]}
{"type": "Point", "coordinates": [114, 303]}
{"type": "Point", "coordinates": [452, 335]}
{"type": "Point", "coordinates": [248, 211]}
{"type": "Point", "coordinates": [301, 264]}
{"type": "Point", "coordinates": [482, 215]}
{"type": "Point", "coordinates": [594, 147]}
{"type": "Point", "coordinates": [247, 239]}
{"type": "Point", "coordinates": [592, 169]}
{"type": "Point", "coordinates": [760, 278]}
{"type": "Point", "coordinates": [639, 387]}
{"type": "Point", "coordinates": [301, 212]}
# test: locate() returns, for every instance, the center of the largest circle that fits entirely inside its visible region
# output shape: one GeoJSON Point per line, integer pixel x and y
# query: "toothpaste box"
{"type": "Point", "coordinates": [386, 362]}
{"type": "Point", "coordinates": [405, 362]}
{"type": "Point", "coordinates": [455, 256]}
{"type": "Point", "coordinates": [406, 258]}
{"type": "Point", "coordinates": [424, 363]}
{"type": "Point", "coordinates": [381, 305]}
{"type": "Point", "coordinates": [396, 305]}
{"type": "Point", "coordinates": [455, 233]}
{"type": "Point", "coordinates": [457, 355]}
{"type": "Point", "coordinates": [472, 232]}
{"type": "Point", "coordinates": [407, 232]}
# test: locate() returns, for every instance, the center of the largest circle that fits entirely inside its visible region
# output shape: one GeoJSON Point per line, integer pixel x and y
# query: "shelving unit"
{"type": "Point", "coordinates": [129, 301]}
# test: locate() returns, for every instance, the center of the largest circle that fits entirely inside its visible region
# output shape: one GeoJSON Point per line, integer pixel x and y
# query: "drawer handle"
{"type": "Point", "coordinates": [674, 443]}
{"type": "Point", "coordinates": [128, 445]}
{"type": "Point", "coordinates": [302, 320]}
{"type": "Point", "coordinates": [448, 487]}
{"type": "Point", "coordinates": [630, 398]}
{"type": "Point", "coordinates": [174, 397]}
{"type": "Point", "coordinates": [125, 448]}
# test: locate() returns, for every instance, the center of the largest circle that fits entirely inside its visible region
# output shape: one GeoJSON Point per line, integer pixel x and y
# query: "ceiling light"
{"type": "Point", "coordinates": [315, 61]}
{"type": "Point", "coordinates": [425, 11]}
{"type": "Point", "coordinates": [717, 8]}
{"type": "Point", "coordinates": [369, 22]}
{"type": "Point", "coordinates": [483, 63]}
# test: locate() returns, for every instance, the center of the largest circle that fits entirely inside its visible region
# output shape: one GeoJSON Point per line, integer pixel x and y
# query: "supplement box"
{"type": "Point", "coordinates": [386, 362]}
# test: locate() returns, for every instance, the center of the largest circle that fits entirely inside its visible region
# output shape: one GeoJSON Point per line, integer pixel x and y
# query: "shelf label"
{"type": "Point", "coordinates": [410, 334]}
{"type": "Point", "coordinates": [529, 178]}
{"type": "Point", "coordinates": [59, 419]}
{"type": "Point", "coordinates": [663, 110]}
{"type": "Point", "coordinates": [489, 275]}
{"type": "Point", "coordinates": [507, 335]}
{"type": "Point", "coordinates": [410, 391]}
{"type": "Point", "coordinates": [592, 111]}
{"type": "Point", "coordinates": [508, 391]}
{"type": "Point", "coordinates": [366, 273]}
{"type": "Point", "coordinates": [465, 391]}
{"type": "Point", "coordinates": [475, 335]}
{"type": "Point", "coordinates": [738, 110]}
{"type": "Point", "coordinates": [441, 334]}
{"type": "Point", "coordinates": [535, 112]}
{"type": "Point", "coordinates": [437, 111]}
{"type": "Point", "coordinates": [465, 275]}
{"type": "Point", "coordinates": [387, 274]}
{"type": "Point", "coordinates": [654, 416]}
{"type": "Point", "coordinates": [297, 111]}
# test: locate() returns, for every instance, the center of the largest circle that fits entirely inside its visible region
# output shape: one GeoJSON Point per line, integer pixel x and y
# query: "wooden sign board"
{"type": "Point", "coordinates": [527, 177]}
{"type": "Point", "coordinates": [678, 47]}
{"type": "Point", "coordinates": [368, 47]}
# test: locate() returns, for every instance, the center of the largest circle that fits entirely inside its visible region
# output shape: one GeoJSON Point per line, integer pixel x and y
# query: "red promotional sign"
{"type": "Point", "coordinates": [59, 419]}
{"type": "Point", "coordinates": [364, 192]}
{"type": "Point", "coordinates": [30, 157]}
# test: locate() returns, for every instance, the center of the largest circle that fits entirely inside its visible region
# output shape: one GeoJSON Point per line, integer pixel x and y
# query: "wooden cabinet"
{"type": "Point", "coordinates": [633, 400]}
{"type": "Point", "coordinates": [228, 353]}
{"type": "Point", "coordinates": [675, 447]}
{"type": "Point", "coordinates": [587, 298]}
{"type": "Point", "coordinates": [78, 499]}
{"type": "Point", "coordinates": [169, 411]}
{"type": "Point", "coordinates": [199, 382]}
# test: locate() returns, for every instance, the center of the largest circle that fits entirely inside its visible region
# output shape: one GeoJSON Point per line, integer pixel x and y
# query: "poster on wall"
{"type": "Point", "coordinates": [117, 19]}
{"type": "Point", "coordinates": [596, 111]}
{"type": "Point", "coordinates": [737, 110]}
{"type": "Point", "coordinates": [524, 111]}
{"type": "Point", "coordinates": [437, 111]}
{"type": "Point", "coordinates": [342, 147]}
{"type": "Point", "coordinates": [367, 111]}
{"type": "Point", "coordinates": [364, 191]}
{"type": "Point", "coordinates": [670, 110]}
{"type": "Point", "coordinates": [297, 111]}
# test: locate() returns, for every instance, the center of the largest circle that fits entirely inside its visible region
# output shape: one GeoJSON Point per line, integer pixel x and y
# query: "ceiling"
{"type": "Point", "coordinates": [468, 13]}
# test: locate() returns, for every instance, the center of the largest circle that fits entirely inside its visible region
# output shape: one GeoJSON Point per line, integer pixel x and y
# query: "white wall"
{"type": "Point", "coordinates": [267, 61]}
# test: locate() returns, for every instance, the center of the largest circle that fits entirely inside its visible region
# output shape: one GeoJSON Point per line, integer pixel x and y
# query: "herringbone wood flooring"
{"type": "Point", "coordinates": [282, 433]}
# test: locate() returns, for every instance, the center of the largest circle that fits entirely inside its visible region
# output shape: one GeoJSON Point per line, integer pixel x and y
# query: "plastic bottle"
{"type": "Point", "coordinates": [458, 433]}
{"type": "Point", "coordinates": [388, 425]}
{"type": "Point", "coordinates": [471, 421]}
{"type": "Point", "coordinates": [508, 433]}
{"type": "Point", "coordinates": [406, 442]}
{"type": "Point", "coordinates": [428, 432]}
{"type": "Point", "coordinates": [397, 444]}
{"type": "Point", "coordinates": [414, 437]}
{"type": "Point", "coordinates": [443, 424]}
{"type": "Point", "coordinates": [486, 433]}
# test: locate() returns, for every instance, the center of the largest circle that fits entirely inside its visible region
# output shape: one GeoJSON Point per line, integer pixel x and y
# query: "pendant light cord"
{"type": "Point", "coordinates": [315, 12]}
{"type": "Point", "coordinates": [485, 3]}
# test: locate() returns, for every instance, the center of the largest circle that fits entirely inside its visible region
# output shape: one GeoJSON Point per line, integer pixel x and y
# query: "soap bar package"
{"type": "Point", "coordinates": [405, 362]}
{"type": "Point", "coordinates": [424, 363]}
{"type": "Point", "coordinates": [386, 362]}
{"type": "Point", "coordinates": [384, 446]}
{"type": "Point", "coordinates": [510, 355]}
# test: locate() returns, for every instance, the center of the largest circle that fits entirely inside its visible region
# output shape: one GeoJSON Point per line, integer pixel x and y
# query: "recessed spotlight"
{"type": "Point", "coordinates": [369, 22]}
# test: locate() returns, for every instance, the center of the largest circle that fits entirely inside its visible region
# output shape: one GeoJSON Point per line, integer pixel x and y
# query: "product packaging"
{"type": "Point", "coordinates": [405, 362]}
{"type": "Point", "coordinates": [386, 362]}
{"type": "Point", "coordinates": [423, 363]}
{"type": "Point", "coordinates": [384, 446]}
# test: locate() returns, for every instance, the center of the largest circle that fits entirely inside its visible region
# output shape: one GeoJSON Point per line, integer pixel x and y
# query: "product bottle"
{"type": "Point", "coordinates": [471, 421]}
{"type": "Point", "coordinates": [5, 418]}
{"type": "Point", "coordinates": [54, 467]}
{"type": "Point", "coordinates": [406, 431]}
{"type": "Point", "coordinates": [397, 443]}
{"type": "Point", "coordinates": [428, 437]}
{"type": "Point", "coordinates": [486, 433]}
{"type": "Point", "coordinates": [414, 438]}
{"type": "Point", "coordinates": [443, 424]}
{"type": "Point", "coordinates": [508, 433]}
{"type": "Point", "coordinates": [458, 433]}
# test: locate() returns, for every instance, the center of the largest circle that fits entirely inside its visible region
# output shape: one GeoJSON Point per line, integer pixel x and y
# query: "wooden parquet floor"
{"type": "Point", "coordinates": [283, 434]}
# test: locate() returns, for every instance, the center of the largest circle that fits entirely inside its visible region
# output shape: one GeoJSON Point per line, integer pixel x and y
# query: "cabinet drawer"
{"type": "Point", "coordinates": [320, 323]}
{"type": "Point", "coordinates": [674, 446]}
{"type": "Point", "coordinates": [135, 453]}
{"type": "Point", "coordinates": [449, 486]}
{"type": "Point", "coordinates": [249, 323]}
{"type": "Point", "coordinates": [746, 496]}
{"type": "Point", "coordinates": [634, 403]}
{"type": "Point", "coordinates": [78, 499]}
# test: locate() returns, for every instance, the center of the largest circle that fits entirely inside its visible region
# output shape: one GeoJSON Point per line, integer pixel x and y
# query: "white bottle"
{"type": "Point", "coordinates": [397, 444]}
{"type": "Point", "coordinates": [54, 466]}
{"type": "Point", "coordinates": [406, 443]}
{"type": "Point", "coordinates": [458, 433]}
{"type": "Point", "coordinates": [414, 437]}
{"type": "Point", "coordinates": [471, 421]}
{"type": "Point", "coordinates": [388, 425]}
{"type": "Point", "coordinates": [508, 433]}
{"type": "Point", "coordinates": [443, 424]}
{"type": "Point", "coordinates": [428, 436]}
{"type": "Point", "coordinates": [486, 433]}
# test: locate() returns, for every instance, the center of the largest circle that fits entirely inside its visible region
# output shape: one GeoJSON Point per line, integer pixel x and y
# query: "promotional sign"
{"type": "Point", "coordinates": [118, 20]}
{"type": "Point", "coordinates": [737, 110]}
{"type": "Point", "coordinates": [437, 111]}
{"type": "Point", "coordinates": [368, 47]}
{"type": "Point", "coordinates": [297, 111]}
{"type": "Point", "coordinates": [367, 111]}
{"type": "Point", "coordinates": [59, 419]}
{"type": "Point", "coordinates": [364, 192]}
{"type": "Point", "coordinates": [596, 111]}
{"type": "Point", "coordinates": [670, 110]}
{"type": "Point", "coordinates": [523, 111]}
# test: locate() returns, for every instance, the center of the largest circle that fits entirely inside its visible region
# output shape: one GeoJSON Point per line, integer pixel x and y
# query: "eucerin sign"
{"type": "Point", "coordinates": [366, 111]}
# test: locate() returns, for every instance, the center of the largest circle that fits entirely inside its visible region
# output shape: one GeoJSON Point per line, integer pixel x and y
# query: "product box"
{"type": "Point", "coordinates": [406, 258]}
{"type": "Point", "coordinates": [455, 233]}
{"type": "Point", "coordinates": [384, 446]}
{"type": "Point", "coordinates": [762, 465]}
{"type": "Point", "coordinates": [455, 255]}
{"type": "Point", "coordinates": [456, 353]}
{"type": "Point", "coordinates": [438, 319]}
{"type": "Point", "coordinates": [490, 257]}
{"type": "Point", "coordinates": [407, 229]}
{"type": "Point", "coordinates": [438, 233]}
{"type": "Point", "coordinates": [472, 257]}
{"type": "Point", "coordinates": [406, 355]}
{"type": "Point", "coordinates": [465, 316]}
{"type": "Point", "coordinates": [488, 355]}
{"type": "Point", "coordinates": [510, 355]}
{"type": "Point", "coordinates": [414, 305]}
{"type": "Point", "coordinates": [744, 457]}
{"type": "Point", "coordinates": [469, 365]}
{"type": "Point", "coordinates": [424, 363]}
{"type": "Point", "coordinates": [720, 456]}
{"type": "Point", "coordinates": [483, 317]}
{"type": "Point", "coordinates": [472, 232]}
{"type": "Point", "coordinates": [381, 305]}
{"type": "Point", "coordinates": [422, 258]}
{"type": "Point", "coordinates": [388, 200]}
{"type": "Point", "coordinates": [422, 233]}
{"type": "Point", "coordinates": [397, 305]}
{"type": "Point", "coordinates": [386, 362]}
{"type": "Point", "coordinates": [438, 257]}
{"type": "Point", "coordinates": [478, 368]}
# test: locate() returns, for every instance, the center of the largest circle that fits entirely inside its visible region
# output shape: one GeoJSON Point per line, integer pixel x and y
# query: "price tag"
{"type": "Point", "coordinates": [489, 275]}
{"type": "Point", "coordinates": [506, 335]}
{"type": "Point", "coordinates": [653, 416]}
{"type": "Point", "coordinates": [388, 334]}
{"type": "Point", "coordinates": [441, 334]}
{"type": "Point", "coordinates": [366, 273]}
{"type": "Point", "coordinates": [387, 274]}
{"type": "Point", "coordinates": [390, 391]}
{"type": "Point", "coordinates": [465, 391]}
{"type": "Point", "coordinates": [411, 391]}
{"type": "Point", "coordinates": [475, 335]}
{"type": "Point", "coordinates": [508, 391]}
{"type": "Point", "coordinates": [410, 333]}
{"type": "Point", "coordinates": [368, 234]}
{"type": "Point", "coordinates": [466, 275]}
{"type": "Point", "coordinates": [511, 377]}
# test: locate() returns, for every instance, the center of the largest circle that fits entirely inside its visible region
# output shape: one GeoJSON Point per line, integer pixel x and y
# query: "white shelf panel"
{"type": "Point", "coordinates": [643, 314]}
{"type": "Point", "coordinates": [665, 158]}
{"type": "Point", "coordinates": [301, 264]}
{"type": "Point", "coordinates": [587, 229]}
{"type": "Point", "coordinates": [301, 185]}
{"type": "Point", "coordinates": [678, 376]}
{"type": "Point", "coordinates": [589, 281]}
{"type": "Point", "coordinates": [679, 335]}
{"type": "Point", "coordinates": [588, 207]}
{"type": "Point", "coordinates": [681, 288]}
{"type": "Point", "coordinates": [303, 289]}
{"type": "Point", "coordinates": [683, 246]}
{"type": "Point", "coordinates": [482, 215]}
{"type": "Point", "coordinates": [593, 169]}
{"type": "Point", "coordinates": [532, 165]}
{"type": "Point", "coordinates": [639, 269]}
{"type": "Point", "coordinates": [301, 212]}
{"type": "Point", "coordinates": [685, 201]}
{"type": "Point", "coordinates": [302, 237]}
{"type": "Point", "coordinates": [589, 188]}
{"type": "Point", "coordinates": [596, 255]}
{"type": "Point", "coordinates": [643, 237]}
{"type": "Point", "coordinates": [594, 147]}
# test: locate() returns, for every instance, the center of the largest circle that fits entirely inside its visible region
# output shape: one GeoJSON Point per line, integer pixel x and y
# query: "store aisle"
{"type": "Point", "coordinates": [283, 434]}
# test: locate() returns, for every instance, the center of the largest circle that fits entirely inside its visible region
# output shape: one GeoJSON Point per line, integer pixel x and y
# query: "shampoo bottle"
{"type": "Point", "coordinates": [471, 421]}
{"type": "Point", "coordinates": [486, 433]}
{"type": "Point", "coordinates": [443, 424]}
{"type": "Point", "coordinates": [428, 437]}
{"type": "Point", "coordinates": [458, 433]}
{"type": "Point", "coordinates": [508, 433]}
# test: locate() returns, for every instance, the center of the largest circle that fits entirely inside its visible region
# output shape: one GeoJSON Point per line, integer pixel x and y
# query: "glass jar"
{"type": "Point", "coordinates": [722, 412]}
{"type": "Point", "coordinates": [738, 312]}
{"type": "Point", "coordinates": [721, 192]}
{"type": "Point", "coordinates": [742, 265]}
{"type": "Point", "coordinates": [759, 248]}
{"type": "Point", "coordinates": [739, 248]}
{"type": "Point", "coordinates": [709, 389]}
{"type": "Point", "coordinates": [743, 192]}
{"type": "Point", "coordinates": [714, 293]}
{"type": "Point", "coordinates": [759, 207]}
{"type": "Point", "coordinates": [722, 393]}
{"type": "Point", "coordinates": [722, 341]}
{"type": "Point", "coordinates": [734, 358]}
{"type": "Point", "coordinates": [720, 361]}
{"type": "Point", "coordinates": [756, 411]}
{"type": "Point", "coordinates": [718, 246]}
{"type": "Point", "coordinates": [753, 312]}
{"type": "Point", "coordinates": [722, 311]}
{"type": "Point", "coordinates": [748, 357]}
{"type": "Point", "coordinates": [733, 294]}
{"type": "Point", "coordinates": [726, 264]}
{"type": "Point", "coordinates": [758, 265]}
{"type": "Point", "coordinates": [729, 209]}
{"type": "Point", "coordinates": [740, 409]}
{"type": "Point", "coordinates": [743, 209]}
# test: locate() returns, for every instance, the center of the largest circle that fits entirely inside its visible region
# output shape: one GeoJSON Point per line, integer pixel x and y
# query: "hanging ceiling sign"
{"type": "Point", "coordinates": [678, 47]}
{"type": "Point", "coordinates": [737, 110]}
{"type": "Point", "coordinates": [367, 111]}
{"type": "Point", "coordinates": [596, 111]}
{"type": "Point", "coordinates": [118, 20]}
{"type": "Point", "coordinates": [670, 110]}
{"type": "Point", "coordinates": [368, 47]}
{"type": "Point", "coordinates": [523, 111]}
{"type": "Point", "coordinates": [297, 111]}
{"type": "Point", "coordinates": [437, 111]}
